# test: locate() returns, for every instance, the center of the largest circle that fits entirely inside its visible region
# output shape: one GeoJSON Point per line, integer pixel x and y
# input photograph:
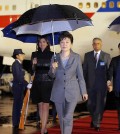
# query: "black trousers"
{"type": "Point", "coordinates": [96, 104]}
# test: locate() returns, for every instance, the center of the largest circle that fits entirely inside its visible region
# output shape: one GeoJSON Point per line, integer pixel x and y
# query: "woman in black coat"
{"type": "Point", "coordinates": [42, 83]}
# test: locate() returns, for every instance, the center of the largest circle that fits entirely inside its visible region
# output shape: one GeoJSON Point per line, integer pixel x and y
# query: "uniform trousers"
{"type": "Point", "coordinates": [18, 95]}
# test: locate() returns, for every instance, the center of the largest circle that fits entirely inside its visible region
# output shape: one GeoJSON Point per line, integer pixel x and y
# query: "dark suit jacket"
{"type": "Point", "coordinates": [96, 77]}
{"type": "Point", "coordinates": [113, 69]}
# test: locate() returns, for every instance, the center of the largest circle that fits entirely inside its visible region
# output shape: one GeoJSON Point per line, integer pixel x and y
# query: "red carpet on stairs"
{"type": "Point", "coordinates": [109, 125]}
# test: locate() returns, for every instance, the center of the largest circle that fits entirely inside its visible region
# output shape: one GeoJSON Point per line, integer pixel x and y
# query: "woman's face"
{"type": "Point", "coordinates": [43, 44]}
{"type": "Point", "coordinates": [65, 44]}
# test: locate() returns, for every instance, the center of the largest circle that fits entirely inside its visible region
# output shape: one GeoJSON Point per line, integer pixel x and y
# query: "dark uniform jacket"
{"type": "Point", "coordinates": [18, 74]}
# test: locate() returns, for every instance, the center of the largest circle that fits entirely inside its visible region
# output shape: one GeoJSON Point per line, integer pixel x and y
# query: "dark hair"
{"type": "Point", "coordinates": [43, 37]}
{"type": "Point", "coordinates": [66, 35]}
{"type": "Point", "coordinates": [96, 38]}
{"type": "Point", "coordinates": [119, 45]}
{"type": "Point", "coordinates": [14, 56]}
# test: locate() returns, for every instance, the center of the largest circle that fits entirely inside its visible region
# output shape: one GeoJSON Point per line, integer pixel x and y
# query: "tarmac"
{"type": "Point", "coordinates": [31, 126]}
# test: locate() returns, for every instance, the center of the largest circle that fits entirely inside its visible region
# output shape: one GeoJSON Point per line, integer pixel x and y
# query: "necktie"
{"type": "Point", "coordinates": [95, 56]}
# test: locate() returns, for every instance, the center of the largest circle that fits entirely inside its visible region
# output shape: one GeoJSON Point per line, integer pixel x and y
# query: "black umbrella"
{"type": "Point", "coordinates": [51, 18]}
{"type": "Point", "coordinates": [27, 38]}
{"type": "Point", "coordinates": [115, 25]}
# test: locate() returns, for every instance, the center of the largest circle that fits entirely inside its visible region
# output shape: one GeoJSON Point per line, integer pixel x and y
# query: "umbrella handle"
{"type": "Point", "coordinates": [55, 60]}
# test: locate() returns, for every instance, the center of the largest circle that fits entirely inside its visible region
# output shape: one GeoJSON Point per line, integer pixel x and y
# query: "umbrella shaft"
{"type": "Point", "coordinates": [53, 37]}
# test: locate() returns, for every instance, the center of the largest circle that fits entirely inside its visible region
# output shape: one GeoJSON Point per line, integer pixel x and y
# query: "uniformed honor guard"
{"type": "Point", "coordinates": [18, 86]}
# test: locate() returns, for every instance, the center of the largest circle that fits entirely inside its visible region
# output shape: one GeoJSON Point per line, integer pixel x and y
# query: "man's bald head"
{"type": "Point", "coordinates": [97, 44]}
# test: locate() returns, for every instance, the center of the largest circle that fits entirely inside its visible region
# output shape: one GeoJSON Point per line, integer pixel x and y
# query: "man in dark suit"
{"type": "Point", "coordinates": [18, 86]}
{"type": "Point", "coordinates": [114, 72]}
{"type": "Point", "coordinates": [95, 69]}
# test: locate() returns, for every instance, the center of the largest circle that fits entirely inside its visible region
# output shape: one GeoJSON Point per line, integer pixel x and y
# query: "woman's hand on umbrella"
{"type": "Point", "coordinates": [85, 97]}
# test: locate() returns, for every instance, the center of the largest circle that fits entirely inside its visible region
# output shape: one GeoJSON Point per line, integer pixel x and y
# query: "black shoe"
{"type": "Point", "coordinates": [15, 130]}
{"type": "Point", "coordinates": [46, 133]}
{"type": "Point", "coordinates": [118, 129]}
{"type": "Point", "coordinates": [91, 125]}
{"type": "Point", "coordinates": [97, 129]}
{"type": "Point", "coordinates": [15, 127]}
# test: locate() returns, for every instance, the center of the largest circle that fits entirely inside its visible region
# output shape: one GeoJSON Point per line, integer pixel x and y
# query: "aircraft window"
{"type": "Point", "coordinates": [14, 7]}
{"type": "Point", "coordinates": [31, 5]}
{"type": "Point", "coordinates": [6, 7]}
{"type": "Point", "coordinates": [95, 5]}
{"type": "Point", "coordinates": [103, 4]}
{"type": "Point", "coordinates": [118, 4]}
{"type": "Point", "coordinates": [0, 8]}
{"type": "Point", "coordinates": [88, 4]}
{"type": "Point", "coordinates": [80, 5]}
{"type": "Point", "coordinates": [36, 5]}
{"type": "Point", "coordinates": [111, 4]}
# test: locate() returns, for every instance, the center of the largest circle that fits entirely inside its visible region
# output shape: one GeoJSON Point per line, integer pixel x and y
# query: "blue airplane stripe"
{"type": "Point", "coordinates": [108, 9]}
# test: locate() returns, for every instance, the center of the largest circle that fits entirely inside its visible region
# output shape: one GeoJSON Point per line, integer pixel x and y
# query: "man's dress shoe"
{"type": "Point", "coordinates": [118, 129]}
{"type": "Point", "coordinates": [46, 133]}
{"type": "Point", "coordinates": [97, 129]}
{"type": "Point", "coordinates": [91, 125]}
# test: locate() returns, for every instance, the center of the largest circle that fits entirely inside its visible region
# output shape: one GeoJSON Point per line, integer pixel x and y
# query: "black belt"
{"type": "Point", "coordinates": [43, 77]}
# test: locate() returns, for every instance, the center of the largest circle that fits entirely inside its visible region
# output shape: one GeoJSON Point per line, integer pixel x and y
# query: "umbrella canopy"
{"type": "Point", "coordinates": [27, 38]}
{"type": "Point", "coordinates": [115, 25]}
{"type": "Point", "coordinates": [9, 33]}
{"type": "Point", "coordinates": [51, 18]}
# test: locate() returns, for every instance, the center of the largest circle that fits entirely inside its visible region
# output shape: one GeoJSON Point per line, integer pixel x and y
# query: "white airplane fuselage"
{"type": "Point", "coordinates": [82, 36]}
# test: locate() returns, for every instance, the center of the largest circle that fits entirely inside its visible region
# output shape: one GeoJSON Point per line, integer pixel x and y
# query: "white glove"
{"type": "Point", "coordinates": [29, 86]}
{"type": "Point", "coordinates": [109, 83]}
{"type": "Point", "coordinates": [11, 84]}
